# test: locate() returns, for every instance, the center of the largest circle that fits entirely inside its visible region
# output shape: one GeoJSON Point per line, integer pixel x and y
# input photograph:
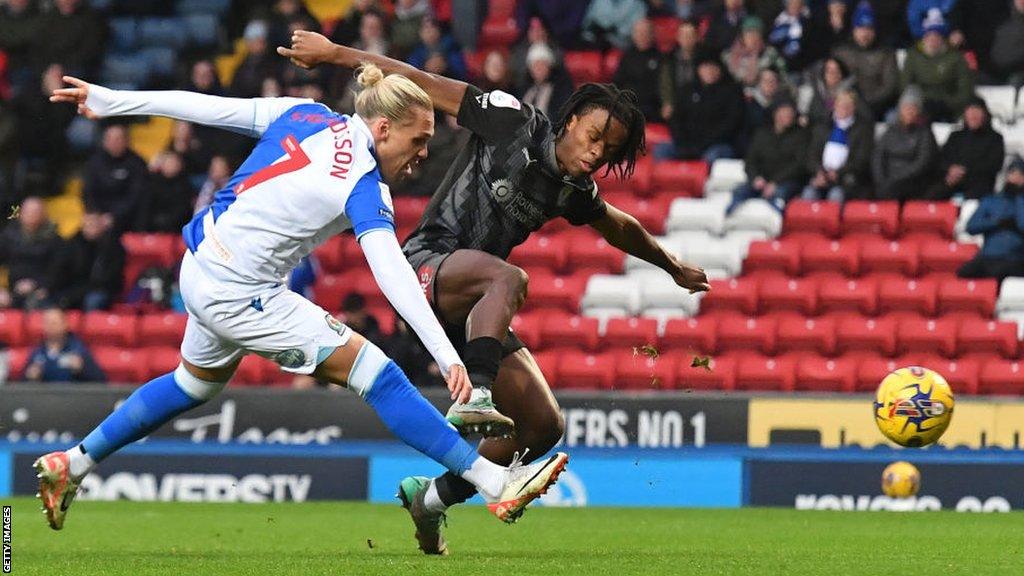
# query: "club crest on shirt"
{"type": "Point", "coordinates": [501, 189]}
{"type": "Point", "coordinates": [500, 99]}
{"type": "Point", "coordinates": [292, 358]}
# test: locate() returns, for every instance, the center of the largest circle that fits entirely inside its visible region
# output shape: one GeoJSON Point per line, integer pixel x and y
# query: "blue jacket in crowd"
{"type": "Point", "coordinates": [1000, 217]}
{"type": "Point", "coordinates": [55, 367]}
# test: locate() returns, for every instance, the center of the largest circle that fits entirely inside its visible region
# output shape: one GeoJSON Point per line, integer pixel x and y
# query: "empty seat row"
{"type": "Point", "coordinates": [884, 217]}
{"type": "Point", "coordinates": [858, 254]}
{"type": "Point", "coordinates": [657, 177]}
{"type": "Point", "coordinates": [754, 372]}
{"type": "Point", "coordinates": [19, 328]}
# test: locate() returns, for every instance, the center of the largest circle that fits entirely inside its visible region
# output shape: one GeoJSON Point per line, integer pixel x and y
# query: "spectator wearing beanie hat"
{"type": "Point", "coordinates": [904, 159]}
{"type": "Point", "coordinates": [941, 72]}
{"type": "Point", "coordinates": [873, 67]}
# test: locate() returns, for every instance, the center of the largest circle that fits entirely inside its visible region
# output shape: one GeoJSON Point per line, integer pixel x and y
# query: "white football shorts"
{"type": "Point", "coordinates": [277, 324]}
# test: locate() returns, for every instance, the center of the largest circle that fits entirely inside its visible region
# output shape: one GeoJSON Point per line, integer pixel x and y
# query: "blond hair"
{"type": "Point", "coordinates": [389, 96]}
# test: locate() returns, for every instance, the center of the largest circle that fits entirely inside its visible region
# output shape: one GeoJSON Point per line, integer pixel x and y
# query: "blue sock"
{"type": "Point", "coordinates": [416, 422]}
{"type": "Point", "coordinates": [144, 411]}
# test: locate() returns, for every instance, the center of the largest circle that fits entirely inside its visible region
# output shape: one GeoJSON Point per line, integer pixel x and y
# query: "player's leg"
{"type": "Point", "coordinates": [520, 391]}
{"type": "Point", "coordinates": [481, 292]}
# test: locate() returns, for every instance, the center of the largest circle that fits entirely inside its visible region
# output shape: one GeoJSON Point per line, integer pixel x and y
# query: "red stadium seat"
{"type": "Point", "coordinates": [409, 210]}
{"type": "Point", "coordinates": [825, 374]}
{"type": "Point", "coordinates": [160, 360]}
{"type": "Point", "coordinates": [573, 331]}
{"type": "Point", "coordinates": [1002, 377]}
{"type": "Point", "coordinates": [888, 256]}
{"type": "Point", "coordinates": [780, 293]}
{"type": "Point", "coordinates": [871, 217]}
{"type": "Point", "coordinates": [652, 212]}
{"type": "Point", "coordinates": [550, 291]}
{"type": "Point", "coordinates": [945, 256]}
{"type": "Point", "coordinates": [904, 294]}
{"type": "Point", "coordinates": [688, 335]}
{"type": "Point", "coordinates": [329, 255]}
{"type": "Point", "coordinates": [121, 366]}
{"type": "Point", "coordinates": [584, 66]}
{"type": "Point", "coordinates": [501, 9]}
{"type": "Point", "coordinates": [838, 294]}
{"type": "Point", "coordinates": [540, 251]}
{"type": "Point", "coordinates": [719, 375]}
{"type": "Point", "coordinates": [805, 216]}
{"type": "Point", "coordinates": [872, 370]}
{"type": "Point", "coordinates": [665, 28]}
{"type": "Point", "coordinates": [968, 295]}
{"type": "Point", "coordinates": [252, 371]}
{"type": "Point", "coordinates": [12, 328]}
{"type": "Point", "coordinates": [773, 255]}
{"type": "Point", "coordinates": [588, 250]}
{"type": "Point", "coordinates": [34, 325]}
{"type": "Point", "coordinates": [929, 217]}
{"type": "Point", "coordinates": [858, 334]}
{"type": "Point", "coordinates": [754, 372]}
{"type": "Point", "coordinates": [586, 371]}
{"type": "Point", "coordinates": [679, 177]}
{"type": "Point", "coordinates": [638, 184]}
{"type": "Point", "coordinates": [926, 335]}
{"type": "Point", "coordinates": [656, 133]}
{"type": "Point", "coordinates": [527, 326]}
{"type": "Point", "coordinates": [988, 336]}
{"type": "Point", "coordinates": [162, 329]}
{"type": "Point", "coordinates": [962, 374]}
{"type": "Point", "coordinates": [800, 334]}
{"type": "Point", "coordinates": [640, 372]}
{"type": "Point", "coordinates": [547, 360]}
{"type": "Point", "coordinates": [611, 62]}
{"type": "Point", "coordinates": [109, 329]}
{"type": "Point", "coordinates": [747, 333]}
{"type": "Point", "coordinates": [841, 256]}
{"type": "Point", "coordinates": [17, 361]}
{"type": "Point", "coordinates": [732, 295]}
{"type": "Point", "coordinates": [498, 32]}
{"type": "Point", "coordinates": [630, 333]}
{"type": "Point", "coordinates": [151, 249]}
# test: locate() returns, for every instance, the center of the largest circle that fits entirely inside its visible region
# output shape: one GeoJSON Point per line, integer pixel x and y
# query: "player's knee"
{"type": "Point", "coordinates": [546, 432]}
{"type": "Point", "coordinates": [199, 389]}
{"type": "Point", "coordinates": [515, 281]}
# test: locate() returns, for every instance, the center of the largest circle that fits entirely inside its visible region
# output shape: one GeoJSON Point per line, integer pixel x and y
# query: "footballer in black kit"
{"type": "Point", "coordinates": [519, 170]}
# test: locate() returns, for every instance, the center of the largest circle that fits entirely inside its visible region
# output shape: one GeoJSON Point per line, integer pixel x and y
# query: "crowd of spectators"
{"type": "Point", "coordinates": [794, 87]}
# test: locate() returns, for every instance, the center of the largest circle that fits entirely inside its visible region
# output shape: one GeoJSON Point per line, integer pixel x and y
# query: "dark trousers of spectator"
{"type": "Point", "coordinates": [784, 191]}
{"type": "Point", "coordinates": [998, 268]}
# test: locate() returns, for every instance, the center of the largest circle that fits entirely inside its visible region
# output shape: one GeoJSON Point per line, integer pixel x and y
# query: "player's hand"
{"type": "Point", "coordinates": [76, 95]}
{"type": "Point", "coordinates": [458, 383]}
{"type": "Point", "coordinates": [308, 50]}
{"type": "Point", "coordinates": [690, 277]}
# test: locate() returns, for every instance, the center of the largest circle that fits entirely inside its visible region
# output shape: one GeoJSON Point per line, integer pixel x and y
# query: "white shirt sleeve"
{"type": "Point", "coordinates": [249, 116]}
{"type": "Point", "coordinates": [397, 281]}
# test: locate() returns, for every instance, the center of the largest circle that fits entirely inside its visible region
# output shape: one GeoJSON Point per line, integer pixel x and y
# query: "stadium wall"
{"type": "Point", "coordinates": [681, 450]}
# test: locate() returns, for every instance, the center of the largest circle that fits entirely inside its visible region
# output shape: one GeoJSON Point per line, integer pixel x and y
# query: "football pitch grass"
{"type": "Point", "coordinates": [115, 538]}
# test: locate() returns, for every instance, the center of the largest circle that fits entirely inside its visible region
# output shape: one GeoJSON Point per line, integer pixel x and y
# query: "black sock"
{"type": "Point", "coordinates": [483, 357]}
{"type": "Point", "coordinates": [453, 489]}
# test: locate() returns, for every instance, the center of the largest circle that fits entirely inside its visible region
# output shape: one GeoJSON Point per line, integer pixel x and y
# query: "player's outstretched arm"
{"type": "Point", "coordinates": [249, 116]}
{"type": "Point", "coordinates": [624, 232]}
{"type": "Point", "coordinates": [310, 49]}
{"type": "Point", "coordinates": [398, 282]}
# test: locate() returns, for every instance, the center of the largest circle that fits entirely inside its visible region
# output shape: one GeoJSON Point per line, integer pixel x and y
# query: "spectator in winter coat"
{"type": "Point", "coordinates": [794, 36]}
{"type": "Point", "coordinates": [775, 161]}
{"type": "Point", "coordinates": [707, 116]}
{"type": "Point", "coordinates": [972, 156]}
{"type": "Point", "coordinates": [259, 62]}
{"type": "Point", "coordinates": [550, 87]}
{"type": "Point", "coordinates": [836, 27]}
{"type": "Point", "coordinates": [92, 267]}
{"type": "Point", "coordinates": [168, 201]}
{"type": "Point", "coordinates": [724, 26]}
{"type": "Point", "coordinates": [28, 249]}
{"type": "Point", "coordinates": [827, 79]}
{"type": "Point", "coordinates": [940, 71]}
{"type": "Point", "coordinates": [609, 23]}
{"type": "Point", "coordinates": [680, 66]}
{"type": "Point", "coordinates": [1007, 54]}
{"type": "Point", "coordinates": [639, 65]}
{"type": "Point", "coordinates": [405, 27]}
{"type": "Point", "coordinates": [114, 179]}
{"type": "Point", "coordinates": [433, 40]}
{"type": "Point", "coordinates": [904, 159]}
{"type": "Point", "coordinates": [749, 54]}
{"type": "Point", "coordinates": [1000, 218]}
{"type": "Point", "coordinates": [873, 67]}
{"type": "Point", "coordinates": [536, 34]}
{"type": "Point", "coordinates": [72, 35]}
{"type": "Point", "coordinates": [61, 357]}
{"type": "Point", "coordinates": [840, 152]}
{"type": "Point", "coordinates": [770, 89]}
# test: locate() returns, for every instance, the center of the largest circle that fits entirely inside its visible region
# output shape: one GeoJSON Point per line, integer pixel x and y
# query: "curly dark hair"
{"type": "Point", "coordinates": [621, 105]}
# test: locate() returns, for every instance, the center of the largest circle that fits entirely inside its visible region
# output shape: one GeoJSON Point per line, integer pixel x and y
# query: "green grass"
{"type": "Point", "coordinates": [113, 538]}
